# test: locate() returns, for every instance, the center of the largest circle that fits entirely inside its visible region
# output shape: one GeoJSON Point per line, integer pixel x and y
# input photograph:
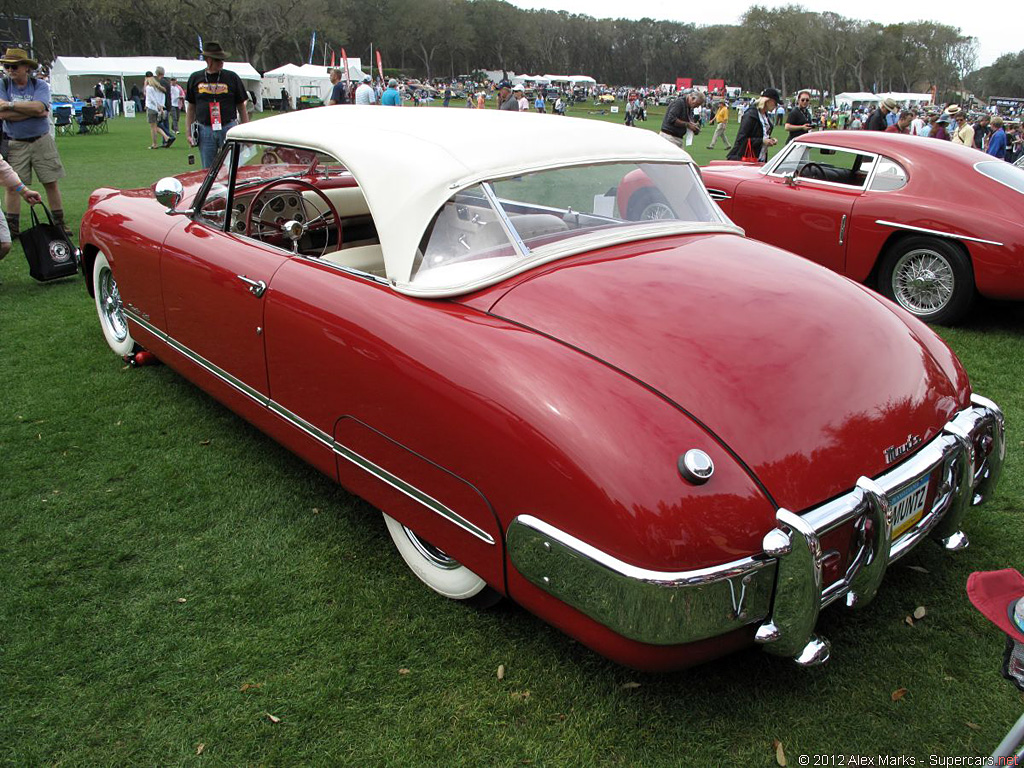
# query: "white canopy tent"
{"type": "Point", "coordinates": [582, 80]}
{"type": "Point", "coordinates": [76, 75]}
{"type": "Point", "coordinates": [293, 78]}
{"type": "Point", "coordinates": [853, 98]}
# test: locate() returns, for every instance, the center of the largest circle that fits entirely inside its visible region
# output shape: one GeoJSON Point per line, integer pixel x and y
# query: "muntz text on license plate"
{"type": "Point", "coordinates": [908, 506]}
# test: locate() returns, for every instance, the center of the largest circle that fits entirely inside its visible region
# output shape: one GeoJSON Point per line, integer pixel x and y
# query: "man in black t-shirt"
{"type": "Point", "coordinates": [215, 100]}
{"type": "Point", "coordinates": [799, 122]}
{"type": "Point", "coordinates": [339, 93]}
{"type": "Point", "coordinates": [679, 118]}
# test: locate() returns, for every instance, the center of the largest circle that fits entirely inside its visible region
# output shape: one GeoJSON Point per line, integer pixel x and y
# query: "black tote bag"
{"type": "Point", "coordinates": [49, 253]}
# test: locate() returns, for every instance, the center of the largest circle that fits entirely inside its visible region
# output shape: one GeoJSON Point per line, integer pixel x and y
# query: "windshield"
{"type": "Point", "coordinates": [497, 225]}
{"type": "Point", "coordinates": [260, 163]}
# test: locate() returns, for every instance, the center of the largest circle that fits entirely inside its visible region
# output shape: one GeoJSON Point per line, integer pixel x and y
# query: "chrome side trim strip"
{"type": "Point", "coordinates": [201, 361]}
{"type": "Point", "coordinates": [412, 492]}
{"type": "Point", "coordinates": [897, 225]}
{"type": "Point", "coordinates": [319, 435]}
{"type": "Point", "coordinates": [657, 607]}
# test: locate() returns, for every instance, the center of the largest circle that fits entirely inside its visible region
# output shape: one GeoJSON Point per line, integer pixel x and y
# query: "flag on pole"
{"type": "Point", "coordinates": [332, 58]}
{"type": "Point", "coordinates": [380, 67]}
{"type": "Point", "coordinates": [344, 62]}
{"type": "Point", "coordinates": [200, 47]}
{"type": "Point", "coordinates": [312, 46]}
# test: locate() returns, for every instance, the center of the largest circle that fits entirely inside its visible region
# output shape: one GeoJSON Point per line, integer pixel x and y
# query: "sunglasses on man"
{"type": "Point", "coordinates": [11, 66]}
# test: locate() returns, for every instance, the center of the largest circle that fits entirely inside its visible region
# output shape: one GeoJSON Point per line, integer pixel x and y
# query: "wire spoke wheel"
{"type": "Point", "coordinates": [923, 281]}
{"type": "Point", "coordinates": [930, 277]}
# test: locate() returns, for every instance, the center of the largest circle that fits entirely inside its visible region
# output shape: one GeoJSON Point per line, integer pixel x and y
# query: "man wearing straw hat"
{"type": "Point", "coordinates": [214, 100]}
{"type": "Point", "coordinates": [25, 110]}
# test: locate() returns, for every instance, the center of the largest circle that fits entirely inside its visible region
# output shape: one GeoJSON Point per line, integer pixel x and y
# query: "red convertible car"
{"type": "Point", "coordinates": [664, 438]}
{"type": "Point", "coordinates": [928, 223]}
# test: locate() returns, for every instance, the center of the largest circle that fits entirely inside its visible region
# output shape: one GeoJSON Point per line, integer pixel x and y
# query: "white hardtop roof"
{"type": "Point", "coordinates": [408, 163]}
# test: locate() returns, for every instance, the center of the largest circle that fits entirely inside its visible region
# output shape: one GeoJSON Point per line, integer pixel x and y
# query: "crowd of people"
{"type": "Point", "coordinates": [991, 133]}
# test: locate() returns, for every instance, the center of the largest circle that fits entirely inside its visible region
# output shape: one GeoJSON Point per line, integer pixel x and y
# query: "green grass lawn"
{"type": "Point", "coordinates": [171, 579]}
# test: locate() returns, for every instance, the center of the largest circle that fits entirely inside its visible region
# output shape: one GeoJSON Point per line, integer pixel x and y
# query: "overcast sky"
{"type": "Point", "coordinates": [989, 23]}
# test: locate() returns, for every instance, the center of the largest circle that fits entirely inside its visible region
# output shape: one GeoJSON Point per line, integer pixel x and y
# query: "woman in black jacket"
{"type": "Point", "coordinates": [756, 128]}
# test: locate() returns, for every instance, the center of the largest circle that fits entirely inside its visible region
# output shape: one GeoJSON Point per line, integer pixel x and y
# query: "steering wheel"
{"type": "Point", "coordinates": [273, 230]}
{"type": "Point", "coordinates": [813, 171]}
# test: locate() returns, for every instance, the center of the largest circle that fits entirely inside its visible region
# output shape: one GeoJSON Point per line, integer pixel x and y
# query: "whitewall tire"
{"type": "Point", "coordinates": [437, 570]}
{"type": "Point", "coordinates": [108, 307]}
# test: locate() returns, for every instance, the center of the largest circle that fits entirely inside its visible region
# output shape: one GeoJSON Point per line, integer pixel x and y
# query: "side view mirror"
{"type": "Point", "coordinates": [790, 179]}
{"type": "Point", "coordinates": [168, 193]}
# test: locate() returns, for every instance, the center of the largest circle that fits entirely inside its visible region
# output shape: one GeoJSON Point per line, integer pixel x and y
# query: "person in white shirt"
{"type": "Point", "coordinates": [917, 125]}
{"type": "Point", "coordinates": [519, 92]}
{"type": "Point", "coordinates": [365, 93]}
{"type": "Point", "coordinates": [155, 112]}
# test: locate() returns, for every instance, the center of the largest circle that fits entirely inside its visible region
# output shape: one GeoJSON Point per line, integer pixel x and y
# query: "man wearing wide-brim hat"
{"type": "Point", "coordinates": [879, 119]}
{"type": "Point", "coordinates": [215, 100]}
{"type": "Point", "coordinates": [25, 110]}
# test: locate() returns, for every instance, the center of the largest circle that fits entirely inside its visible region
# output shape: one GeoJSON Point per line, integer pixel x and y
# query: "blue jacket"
{"type": "Point", "coordinates": [997, 144]}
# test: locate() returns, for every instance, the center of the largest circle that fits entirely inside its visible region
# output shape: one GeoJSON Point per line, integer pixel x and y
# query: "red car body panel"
{"type": "Point", "coordinates": [685, 320]}
{"type": "Point", "coordinates": [944, 192]}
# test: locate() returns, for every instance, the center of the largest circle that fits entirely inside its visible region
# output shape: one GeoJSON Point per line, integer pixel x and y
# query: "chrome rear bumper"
{"type": "Point", "coordinates": [781, 588]}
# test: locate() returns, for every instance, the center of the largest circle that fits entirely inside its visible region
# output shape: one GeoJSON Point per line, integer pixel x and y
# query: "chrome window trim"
{"type": "Point", "coordinates": [317, 434]}
{"type": "Point", "coordinates": [769, 168]}
{"type": "Point", "coordinates": [506, 223]}
{"type": "Point", "coordinates": [940, 233]}
{"type": "Point", "coordinates": [781, 585]}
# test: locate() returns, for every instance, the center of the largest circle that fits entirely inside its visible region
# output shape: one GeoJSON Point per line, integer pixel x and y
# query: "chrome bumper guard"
{"type": "Point", "coordinates": [781, 589]}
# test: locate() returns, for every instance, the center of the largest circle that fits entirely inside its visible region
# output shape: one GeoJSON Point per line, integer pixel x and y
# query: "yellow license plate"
{"type": "Point", "coordinates": [908, 506]}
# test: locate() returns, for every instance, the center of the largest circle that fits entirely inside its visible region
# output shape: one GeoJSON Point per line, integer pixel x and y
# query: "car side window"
{"type": "Point", "coordinates": [889, 175]}
{"type": "Point", "coordinates": [835, 166]}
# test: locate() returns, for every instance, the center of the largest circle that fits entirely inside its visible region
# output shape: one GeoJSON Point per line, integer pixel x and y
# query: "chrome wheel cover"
{"type": "Point", "coordinates": [654, 211]}
{"type": "Point", "coordinates": [923, 281]}
{"type": "Point", "coordinates": [111, 309]}
{"type": "Point", "coordinates": [436, 557]}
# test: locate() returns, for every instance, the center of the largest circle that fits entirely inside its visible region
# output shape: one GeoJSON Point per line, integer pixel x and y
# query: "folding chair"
{"type": "Point", "coordinates": [62, 119]}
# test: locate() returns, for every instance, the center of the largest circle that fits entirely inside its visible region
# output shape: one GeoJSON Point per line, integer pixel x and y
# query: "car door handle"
{"type": "Point", "coordinates": [256, 287]}
{"type": "Point", "coordinates": [842, 229]}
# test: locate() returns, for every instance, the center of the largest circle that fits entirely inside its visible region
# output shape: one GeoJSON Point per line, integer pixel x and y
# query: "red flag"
{"type": "Point", "coordinates": [380, 67]}
{"type": "Point", "coordinates": [332, 57]}
{"type": "Point", "coordinates": [344, 59]}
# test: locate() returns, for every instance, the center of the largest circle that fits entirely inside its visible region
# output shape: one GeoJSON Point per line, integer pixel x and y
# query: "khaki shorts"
{"type": "Point", "coordinates": [40, 156]}
{"type": "Point", "coordinates": [5, 232]}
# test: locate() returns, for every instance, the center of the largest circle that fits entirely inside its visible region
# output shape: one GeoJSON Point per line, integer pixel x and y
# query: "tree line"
{"type": "Point", "coordinates": [786, 47]}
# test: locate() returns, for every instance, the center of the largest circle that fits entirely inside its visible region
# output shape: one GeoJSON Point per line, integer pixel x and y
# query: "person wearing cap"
{"type": "Point", "coordinates": [506, 101]}
{"type": "Point", "coordinates": [522, 103]}
{"type": "Point", "coordinates": [391, 97]}
{"type": "Point", "coordinates": [939, 125]}
{"type": "Point", "coordinates": [25, 111]}
{"type": "Point", "coordinates": [215, 101]}
{"type": "Point", "coordinates": [721, 121]}
{"type": "Point", "coordinates": [963, 133]}
{"type": "Point", "coordinates": [679, 118]}
{"type": "Point", "coordinates": [755, 133]}
{"type": "Point", "coordinates": [879, 119]}
{"type": "Point", "coordinates": [364, 93]}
